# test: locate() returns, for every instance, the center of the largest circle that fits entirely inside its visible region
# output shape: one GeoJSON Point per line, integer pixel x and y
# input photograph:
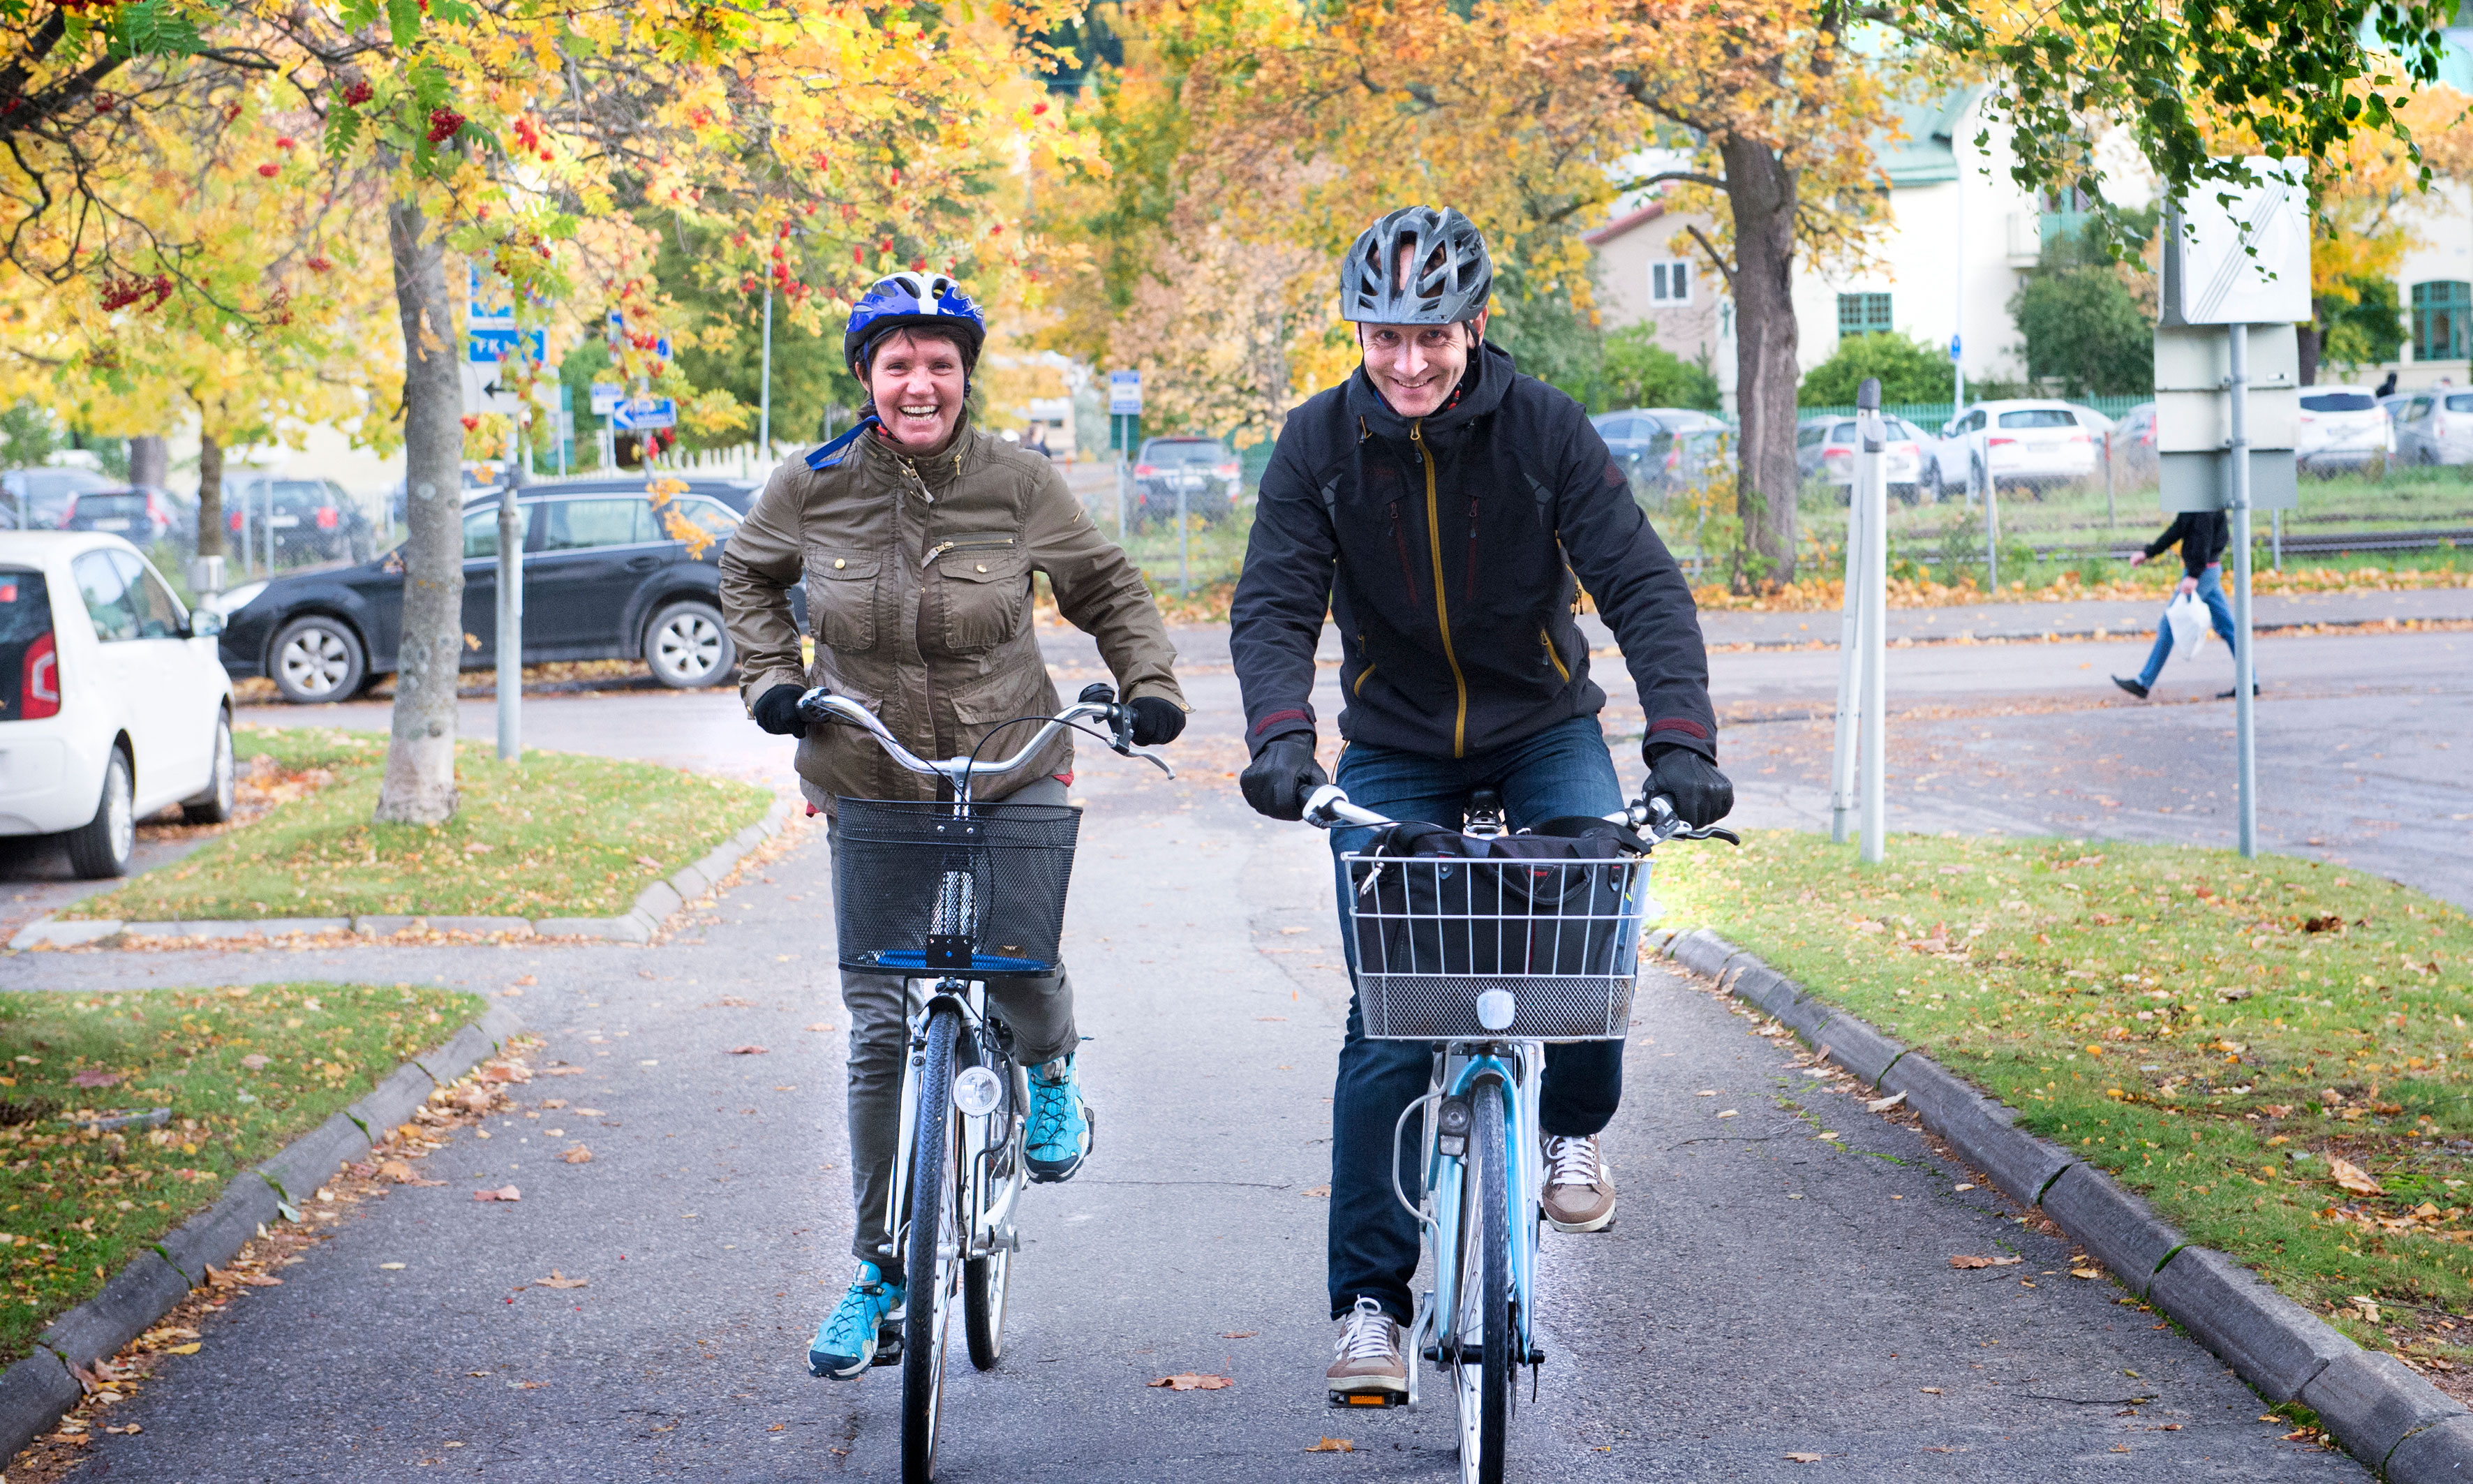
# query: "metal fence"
{"type": "Point", "coordinates": [1930, 416]}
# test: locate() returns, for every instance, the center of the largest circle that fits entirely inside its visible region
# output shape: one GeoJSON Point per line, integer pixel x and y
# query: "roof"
{"type": "Point", "coordinates": [1623, 224]}
{"type": "Point", "coordinates": [1926, 156]}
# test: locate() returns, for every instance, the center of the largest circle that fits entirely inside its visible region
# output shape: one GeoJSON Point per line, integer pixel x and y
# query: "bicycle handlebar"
{"type": "Point", "coordinates": [1651, 814]}
{"type": "Point", "coordinates": [820, 704]}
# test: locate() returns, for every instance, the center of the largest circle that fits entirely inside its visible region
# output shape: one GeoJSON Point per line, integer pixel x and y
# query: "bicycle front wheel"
{"type": "Point", "coordinates": [1485, 1294]}
{"type": "Point", "coordinates": [932, 1263]}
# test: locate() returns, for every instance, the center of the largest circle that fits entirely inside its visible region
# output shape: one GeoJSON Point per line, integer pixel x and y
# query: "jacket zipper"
{"type": "Point", "coordinates": [1442, 609]}
{"type": "Point", "coordinates": [993, 543]}
{"type": "Point", "coordinates": [1548, 639]}
{"type": "Point", "coordinates": [1400, 540]}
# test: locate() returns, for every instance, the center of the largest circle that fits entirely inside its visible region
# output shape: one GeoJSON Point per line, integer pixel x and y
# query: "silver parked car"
{"type": "Point", "coordinates": [1824, 449]}
{"type": "Point", "coordinates": [2435, 426]}
{"type": "Point", "coordinates": [2343, 427]}
{"type": "Point", "coordinates": [2036, 443]}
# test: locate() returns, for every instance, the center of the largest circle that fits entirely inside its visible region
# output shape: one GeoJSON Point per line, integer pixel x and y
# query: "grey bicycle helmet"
{"type": "Point", "coordinates": [1449, 274]}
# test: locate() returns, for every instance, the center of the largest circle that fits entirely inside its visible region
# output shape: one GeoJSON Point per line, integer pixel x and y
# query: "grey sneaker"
{"type": "Point", "coordinates": [1367, 1361]}
{"type": "Point", "coordinates": [1579, 1189]}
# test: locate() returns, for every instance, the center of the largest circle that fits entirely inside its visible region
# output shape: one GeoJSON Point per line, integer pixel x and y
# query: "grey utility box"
{"type": "Point", "coordinates": [2194, 426]}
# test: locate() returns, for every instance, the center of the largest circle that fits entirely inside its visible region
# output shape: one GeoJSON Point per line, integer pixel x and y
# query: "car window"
{"type": "Point", "coordinates": [1903, 431]}
{"type": "Point", "coordinates": [1974, 421]}
{"type": "Point", "coordinates": [716, 519]}
{"type": "Point", "coordinates": [97, 506]}
{"type": "Point", "coordinates": [1188, 451]}
{"type": "Point", "coordinates": [106, 591]}
{"type": "Point", "coordinates": [158, 612]}
{"type": "Point", "coordinates": [481, 533]}
{"type": "Point", "coordinates": [581, 525]}
{"type": "Point", "coordinates": [2461, 401]}
{"type": "Point", "coordinates": [1841, 433]}
{"type": "Point", "coordinates": [2414, 410]}
{"type": "Point", "coordinates": [1810, 434]}
{"type": "Point", "coordinates": [2339, 401]}
{"type": "Point", "coordinates": [2039, 418]}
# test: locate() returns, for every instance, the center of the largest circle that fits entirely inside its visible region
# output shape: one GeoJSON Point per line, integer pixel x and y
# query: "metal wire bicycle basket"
{"type": "Point", "coordinates": [920, 890]}
{"type": "Point", "coordinates": [1432, 934]}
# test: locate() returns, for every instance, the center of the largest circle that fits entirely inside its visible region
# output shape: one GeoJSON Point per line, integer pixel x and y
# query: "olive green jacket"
{"type": "Point", "coordinates": [918, 573]}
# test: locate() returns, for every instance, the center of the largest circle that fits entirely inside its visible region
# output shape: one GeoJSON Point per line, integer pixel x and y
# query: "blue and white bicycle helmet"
{"type": "Point", "coordinates": [906, 301]}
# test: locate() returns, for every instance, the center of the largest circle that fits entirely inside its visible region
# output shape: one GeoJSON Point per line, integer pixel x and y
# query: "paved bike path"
{"type": "Point", "coordinates": [1719, 1326]}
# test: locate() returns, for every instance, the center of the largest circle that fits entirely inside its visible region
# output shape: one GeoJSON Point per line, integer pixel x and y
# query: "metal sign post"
{"type": "Point", "coordinates": [1873, 482]}
{"type": "Point", "coordinates": [2228, 406]}
{"type": "Point", "coordinates": [1849, 670]}
{"type": "Point", "coordinates": [510, 653]}
{"type": "Point", "coordinates": [1125, 403]}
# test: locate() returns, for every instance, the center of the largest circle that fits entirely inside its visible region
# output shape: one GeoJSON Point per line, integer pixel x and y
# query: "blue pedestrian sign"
{"type": "Point", "coordinates": [1124, 392]}
{"type": "Point", "coordinates": [489, 345]}
{"type": "Point", "coordinates": [1953, 347]}
{"type": "Point", "coordinates": [645, 413]}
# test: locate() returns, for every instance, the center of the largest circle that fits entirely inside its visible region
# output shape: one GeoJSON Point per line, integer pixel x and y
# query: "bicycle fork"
{"type": "Point", "coordinates": [1459, 1077]}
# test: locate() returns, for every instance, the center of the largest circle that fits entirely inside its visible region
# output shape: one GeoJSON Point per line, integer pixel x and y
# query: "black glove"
{"type": "Point", "coordinates": [1156, 721]}
{"type": "Point", "coordinates": [1275, 783]}
{"type": "Point", "coordinates": [1702, 794]}
{"type": "Point", "coordinates": [776, 711]}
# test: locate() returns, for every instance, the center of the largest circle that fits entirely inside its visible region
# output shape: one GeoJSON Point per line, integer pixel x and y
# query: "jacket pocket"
{"type": "Point", "coordinates": [841, 589]}
{"type": "Point", "coordinates": [983, 592]}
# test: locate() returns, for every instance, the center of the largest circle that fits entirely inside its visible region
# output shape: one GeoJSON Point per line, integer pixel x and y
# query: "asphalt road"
{"type": "Point", "coordinates": [1766, 1291]}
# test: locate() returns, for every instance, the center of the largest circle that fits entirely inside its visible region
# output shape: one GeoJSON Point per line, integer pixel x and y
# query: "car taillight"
{"type": "Point", "coordinates": [1995, 442]}
{"type": "Point", "coordinates": [1224, 470]}
{"type": "Point", "coordinates": [327, 514]}
{"type": "Point", "coordinates": [1144, 470]}
{"type": "Point", "coordinates": [2078, 436]}
{"type": "Point", "coordinates": [235, 520]}
{"type": "Point", "coordinates": [42, 683]}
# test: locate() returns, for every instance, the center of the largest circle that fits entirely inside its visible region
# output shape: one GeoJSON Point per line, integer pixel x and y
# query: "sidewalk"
{"type": "Point", "coordinates": [2077, 620]}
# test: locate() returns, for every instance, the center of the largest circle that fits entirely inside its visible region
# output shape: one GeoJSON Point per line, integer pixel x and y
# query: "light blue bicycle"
{"type": "Point", "coordinates": [1489, 946]}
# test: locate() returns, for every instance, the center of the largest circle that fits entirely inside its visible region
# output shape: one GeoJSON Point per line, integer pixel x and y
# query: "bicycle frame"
{"type": "Point", "coordinates": [990, 1203]}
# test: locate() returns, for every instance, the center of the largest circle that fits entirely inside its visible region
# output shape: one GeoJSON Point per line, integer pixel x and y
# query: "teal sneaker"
{"type": "Point", "coordinates": [846, 1342]}
{"type": "Point", "coordinates": [1062, 1126]}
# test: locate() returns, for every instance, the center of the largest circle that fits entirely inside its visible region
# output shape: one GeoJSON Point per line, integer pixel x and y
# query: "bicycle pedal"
{"type": "Point", "coordinates": [1368, 1399]}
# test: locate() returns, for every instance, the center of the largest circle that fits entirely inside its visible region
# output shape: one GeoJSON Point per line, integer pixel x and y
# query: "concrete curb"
{"type": "Point", "coordinates": [36, 1391]}
{"type": "Point", "coordinates": [654, 905]}
{"type": "Point", "coordinates": [2403, 1427]}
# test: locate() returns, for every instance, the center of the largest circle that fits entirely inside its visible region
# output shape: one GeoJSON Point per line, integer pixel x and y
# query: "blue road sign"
{"type": "Point", "coordinates": [1124, 392]}
{"type": "Point", "coordinates": [645, 413]}
{"type": "Point", "coordinates": [488, 345]}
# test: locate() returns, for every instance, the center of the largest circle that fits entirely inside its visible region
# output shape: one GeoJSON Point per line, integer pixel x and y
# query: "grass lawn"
{"type": "Point", "coordinates": [560, 835]}
{"type": "Point", "coordinates": [243, 1071]}
{"type": "Point", "coordinates": [2215, 1032]}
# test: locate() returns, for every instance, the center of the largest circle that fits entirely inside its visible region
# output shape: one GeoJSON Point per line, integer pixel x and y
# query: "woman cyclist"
{"type": "Point", "coordinates": [917, 536]}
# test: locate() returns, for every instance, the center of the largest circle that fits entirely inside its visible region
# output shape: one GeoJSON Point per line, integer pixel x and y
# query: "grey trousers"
{"type": "Point", "coordinates": [1039, 1012]}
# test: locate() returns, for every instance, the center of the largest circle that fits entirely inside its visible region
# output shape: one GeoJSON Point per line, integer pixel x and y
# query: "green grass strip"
{"type": "Point", "coordinates": [2211, 1030]}
{"type": "Point", "coordinates": [557, 835]}
{"type": "Point", "coordinates": [243, 1071]}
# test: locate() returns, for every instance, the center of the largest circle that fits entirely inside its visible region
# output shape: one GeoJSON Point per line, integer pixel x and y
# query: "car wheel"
{"type": "Point", "coordinates": [100, 848]}
{"type": "Point", "coordinates": [686, 646]}
{"type": "Point", "coordinates": [316, 660]}
{"type": "Point", "coordinates": [214, 803]}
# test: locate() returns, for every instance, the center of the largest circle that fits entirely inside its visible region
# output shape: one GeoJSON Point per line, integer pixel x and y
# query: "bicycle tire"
{"type": "Point", "coordinates": [983, 1307]}
{"type": "Point", "coordinates": [934, 1185]}
{"type": "Point", "coordinates": [1488, 1151]}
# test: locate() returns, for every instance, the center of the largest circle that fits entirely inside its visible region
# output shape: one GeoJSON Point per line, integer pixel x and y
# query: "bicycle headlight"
{"type": "Point", "coordinates": [977, 1091]}
{"type": "Point", "coordinates": [1496, 1009]}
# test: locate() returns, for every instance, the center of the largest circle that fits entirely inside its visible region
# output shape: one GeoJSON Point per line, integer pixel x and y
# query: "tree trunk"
{"type": "Point", "coordinates": [419, 783]}
{"type": "Point", "coordinates": [1762, 191]}
{"type": "Point", "coordinates": [150, 463]}
{"type": "Point", "coordinates": [2310, 339]}
{"type": "Point", "coordinates": [210, 497]}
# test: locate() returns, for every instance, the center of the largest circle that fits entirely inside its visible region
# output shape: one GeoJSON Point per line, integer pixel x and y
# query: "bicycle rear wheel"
{"type": "Point", "coordinates": [932, 1264]}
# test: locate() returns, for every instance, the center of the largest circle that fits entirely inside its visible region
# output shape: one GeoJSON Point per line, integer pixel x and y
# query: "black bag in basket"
{"type": "Point", "coordinates": [1441, 902]}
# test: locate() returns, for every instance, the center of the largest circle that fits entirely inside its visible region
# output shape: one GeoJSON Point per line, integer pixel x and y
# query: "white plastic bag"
{"type": "Point", "coordinates": [2187, 617]}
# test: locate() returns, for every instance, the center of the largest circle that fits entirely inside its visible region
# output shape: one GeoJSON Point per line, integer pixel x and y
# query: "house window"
{"type": "Point", "coordinates": [2438, 315]}
{"type": "Point", "coordinates": [1862, 314]}
{"type": "Point", "coordinates": [1670, 283]}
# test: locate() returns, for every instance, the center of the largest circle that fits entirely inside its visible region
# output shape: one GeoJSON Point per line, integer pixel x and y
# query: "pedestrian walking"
{"type": "Point", "coordinates": [2202, 537]}
{"type": "Point", "coordinates": [1447, 511]}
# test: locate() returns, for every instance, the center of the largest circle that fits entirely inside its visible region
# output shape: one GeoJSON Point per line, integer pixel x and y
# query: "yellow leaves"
{"type": "Point", "coordinates": [2352, 1177]}
{"type": "Point", "coordinates": [1967, 1260]}
{"type": "Point", "coordinates": [1188, 1382]}
{"type": "Point", "coordinates": [1326, 1444]}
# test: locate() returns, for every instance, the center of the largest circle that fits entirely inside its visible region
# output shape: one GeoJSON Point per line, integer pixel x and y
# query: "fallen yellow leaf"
{"type": "Point", "coordinates": [559, 1279]}
{"type": "Point", "coordinates": [190, 1349]}
{"type": "Point", "coordinates": [1331, 1446]}
{"type": "Point", "coordinates": [579, 1154]}
{"type": "Point", "coordinates": [2352, 1177]}
{"type": "Point", "coordinates": [1804, 1458]}
{"type": "Point", "coordinates": [1188, 1382]}
{"type": "Point", "coordinates": [1968, 1260]}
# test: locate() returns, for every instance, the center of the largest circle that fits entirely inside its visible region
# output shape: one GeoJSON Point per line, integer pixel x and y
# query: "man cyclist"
{"type": "Point", "coordinates": [917, 536]}
{"type": "Point", "coordinates": [1447, 511]}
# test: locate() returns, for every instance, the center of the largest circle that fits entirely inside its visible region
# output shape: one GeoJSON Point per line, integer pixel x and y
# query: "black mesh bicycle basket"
{"type": "Point", "coordinates": [1561, 936]}
{"type": "Point", "coordinates": [919, 888]}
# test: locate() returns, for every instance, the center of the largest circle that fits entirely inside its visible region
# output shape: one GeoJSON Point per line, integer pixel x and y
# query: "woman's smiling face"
{"type": "Point", "coordinates": [917, 381]}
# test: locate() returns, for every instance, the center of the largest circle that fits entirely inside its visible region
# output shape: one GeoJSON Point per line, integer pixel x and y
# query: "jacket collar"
{"type": "Point", "coordinates": [937, 468]}
{"type": "Point", "coordinates": [1481, 390]}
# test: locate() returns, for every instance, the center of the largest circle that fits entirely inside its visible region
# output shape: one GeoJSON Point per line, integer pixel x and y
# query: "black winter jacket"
{"type": "Point", "coordinates": [2202, 535]}
{"type": "Point", "coordinates": [1446, 550]}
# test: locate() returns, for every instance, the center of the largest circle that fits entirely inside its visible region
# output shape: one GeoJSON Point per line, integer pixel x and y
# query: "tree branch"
{"type": "Point", "coordinates": [1715, 260]}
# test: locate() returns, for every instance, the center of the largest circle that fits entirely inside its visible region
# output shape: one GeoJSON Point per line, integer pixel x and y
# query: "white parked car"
{"type": "Point", "coordinates": [2342, 427]}
{"type": "Point", "coordinates": [114, 704]}
{"type": "Point", "coordinates": [1825, 449]}
{"type": "Point", "coordinates": [2036, 443]}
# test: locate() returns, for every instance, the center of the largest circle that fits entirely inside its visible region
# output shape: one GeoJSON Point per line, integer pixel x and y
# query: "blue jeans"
{"type": "Point", "coordinates": [1562, 771]}
{"type": "Point", "coordinates": [2211, 593]}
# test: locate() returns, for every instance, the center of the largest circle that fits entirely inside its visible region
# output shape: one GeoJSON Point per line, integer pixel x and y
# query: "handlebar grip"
{"type": "Point", "coordinates": [1098, 693]}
